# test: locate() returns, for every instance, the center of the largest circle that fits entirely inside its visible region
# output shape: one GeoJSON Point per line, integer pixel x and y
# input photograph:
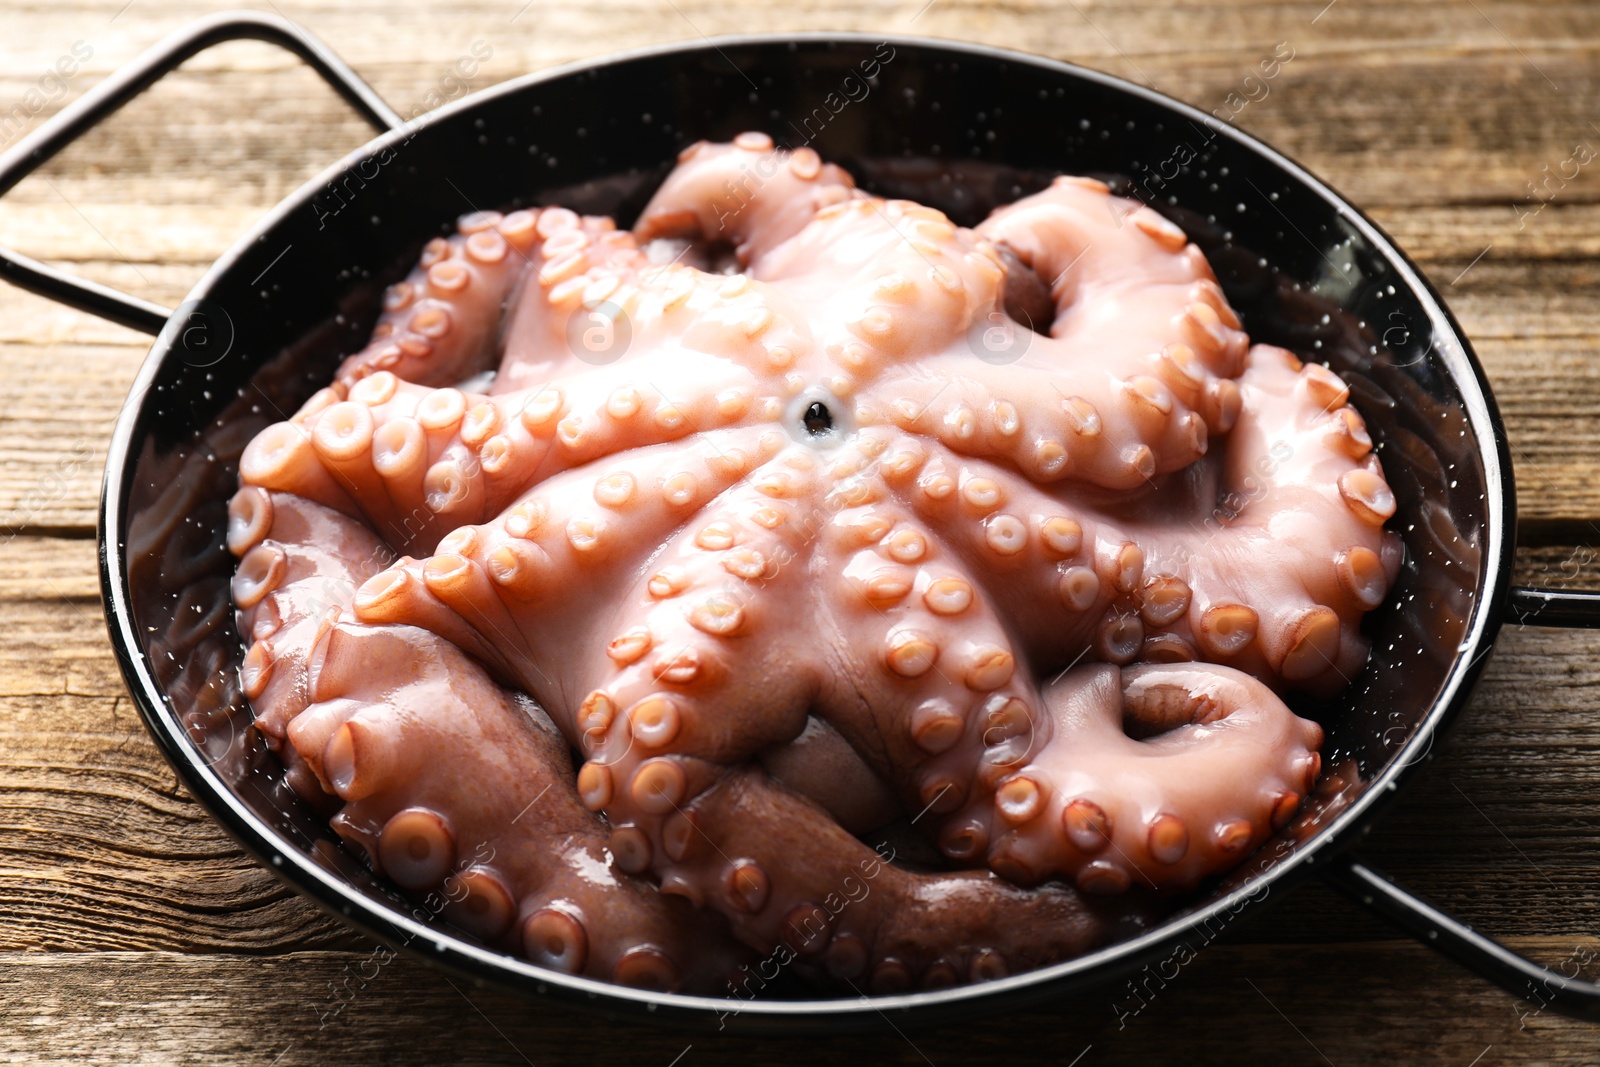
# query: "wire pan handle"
{"type": "Point", "coordinates": [87, 111]}
{"type": "Point", "coordinates": [1511, 971]}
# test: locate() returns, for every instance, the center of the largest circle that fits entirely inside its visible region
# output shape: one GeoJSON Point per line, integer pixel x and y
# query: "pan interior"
{"type": "Point", "coordinates": [962, 130]}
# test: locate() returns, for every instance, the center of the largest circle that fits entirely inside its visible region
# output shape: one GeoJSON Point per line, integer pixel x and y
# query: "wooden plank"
{"type": "Point", "coordinates": [1292, 1005]}
{"type": "Point", "coordinates": [62, 401]}
{"type": "Point", "coordinates": [1360, 97]}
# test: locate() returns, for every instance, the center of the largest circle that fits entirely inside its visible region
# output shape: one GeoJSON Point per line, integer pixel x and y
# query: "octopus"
{"type": "Point", "coordinates": [631, 586]}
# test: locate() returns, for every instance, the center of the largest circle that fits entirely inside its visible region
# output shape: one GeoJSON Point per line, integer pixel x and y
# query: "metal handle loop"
{"type": "Point", "coordinates": [1511, 971]}
{"type": "Point", "coordinates": [81, 115]}
{"type": "Point", "coordinates": [1516, 974]}
{"type": "Point", "coordinates": [1554, 607]}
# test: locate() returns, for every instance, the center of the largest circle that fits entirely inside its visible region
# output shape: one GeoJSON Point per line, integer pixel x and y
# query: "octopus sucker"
{"type": "Point", "coordinates": [802, 519]}
{"type": "Point", "coordinates": [249, 519]}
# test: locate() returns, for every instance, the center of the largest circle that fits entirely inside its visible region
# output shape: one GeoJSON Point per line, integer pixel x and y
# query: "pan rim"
{"type": "Point", "coordinates": [322, 886]}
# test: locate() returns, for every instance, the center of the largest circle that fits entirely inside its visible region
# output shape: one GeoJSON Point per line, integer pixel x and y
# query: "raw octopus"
{"type": "Point", "coordinates": [793, 551]}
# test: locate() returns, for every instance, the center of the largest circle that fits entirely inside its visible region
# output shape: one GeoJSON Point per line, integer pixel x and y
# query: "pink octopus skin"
{"type": "Point", "coordinates": [798, 565]}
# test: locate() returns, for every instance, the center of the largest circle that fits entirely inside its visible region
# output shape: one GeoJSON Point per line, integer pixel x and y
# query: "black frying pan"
{"type": "Point", "coordinates": [960, 126]}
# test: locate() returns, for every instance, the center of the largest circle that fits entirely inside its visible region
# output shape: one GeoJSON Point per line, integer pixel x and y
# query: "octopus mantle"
{"type": "Point", "coordinates": [791, 555]}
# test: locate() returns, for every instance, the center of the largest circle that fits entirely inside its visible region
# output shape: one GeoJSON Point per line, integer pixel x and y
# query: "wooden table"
{"type": "Point", "coordinates": [136, 931]}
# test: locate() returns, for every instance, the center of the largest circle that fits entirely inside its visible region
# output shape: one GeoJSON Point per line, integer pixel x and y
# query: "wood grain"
{"type": "Point", "coordinates": [1229, 1005]}
{"type": "Point", "coordinates": [138, 932]}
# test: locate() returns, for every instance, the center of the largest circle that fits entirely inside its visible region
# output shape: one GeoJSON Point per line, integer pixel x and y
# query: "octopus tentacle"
{"type": "Point", "coordinates": [1279, 571]}
{"type": "Point", "coordinates": [417, 462]}
{"type": "Point", "coordinates": [300, 564]}
{"type": "Point", "coordinates": [282, 458]}
{"type": "Point", "coordinates": [1137, 362]}
{"type": "Point", "coordinates": [892, 280]}
{"type": "Point", "coordinates": [585, 302]}
{"type": "Point", "coordinates": [940, 701]}
{"type": "Point", "coordinates": [1265, 557]}
{"type": "Point", "coordinates": [515, 858]}
{"type": "Point", "coordinates": [1127, 283]}
{"type": "Point", "coordinates": [609, 410]}
{"type": "Point", "coordinates": [704, 635]}
{"type": "Point", "coordinates": [747, 192]}
{"type": "Point", "coordinates": [548, 571]}
{"type": "Point", "coordinates": [1161, 774]}
{"type": "Point", "coordinates": [442, 323]}
{"type": "Point", "coordinates": [412, 460]}
{"type": "Point", "coordinates": [793, 883]}
{"type": "Point", "coordinates": [695, 635]}
{"type": "Point", "coordinates": [1064, 564]}
{"type": "Point", "coordinates": [1093, 427]}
